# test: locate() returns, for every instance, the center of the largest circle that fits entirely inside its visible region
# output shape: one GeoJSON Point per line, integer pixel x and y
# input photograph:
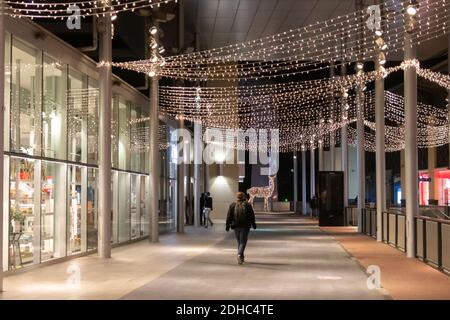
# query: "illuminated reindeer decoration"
{"type": "Point", "coordinates": [263, 192]}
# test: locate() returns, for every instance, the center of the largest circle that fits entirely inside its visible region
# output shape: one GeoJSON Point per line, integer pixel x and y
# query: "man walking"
{"type": "Point", "coordinates": [240, 218]}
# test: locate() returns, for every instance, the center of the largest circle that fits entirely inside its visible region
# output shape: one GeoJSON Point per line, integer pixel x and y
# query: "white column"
{"type": "Point", "coordinates": [431, 168]}
{"type": "Point", "coordinates": [154, 162]}
{"type": "Point", "coordinates": [380, 153]}
{"type": "Point", "coordinates": [312, 174]}
{"type": "Point", "coordinates": [333, 133]}
{"type": "Point", "coordinates": [411, 177]}
{"type": "Point", "coordinates": [360, 163]}
{"type": "Point", "coordinates": [303, 181]}
{"type": "Point", "coordinates": [295, 173]}
{"type": "Point", "coordinates": [198, 143]}
{"type": "Point", "coordinates": [104, 162]}
{"type": "Point", "coordinates": [321, 159]}
{"type": "Point", "coordinates": [2, 129]}
{"type": "Point", "coordinates": [180, 188]}
{"type": "Point", "coordinates": [344, 140]}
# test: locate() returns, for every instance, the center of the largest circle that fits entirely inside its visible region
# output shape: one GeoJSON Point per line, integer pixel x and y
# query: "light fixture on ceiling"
{"type": "Point", "coordinates": [153, 30]}
{"type": "Point", "coordinates": [381, 44]}
{"type": "Point", "coordinates": [151, 74]}
{"type": "Point", "coordinates": [381, 58]}
{"type": "Point", "coordinates": [412, 9]}
{"type": "Point", "coordinates": [113, 16]}
{"type": "Point", "coordinates": [359, 65]}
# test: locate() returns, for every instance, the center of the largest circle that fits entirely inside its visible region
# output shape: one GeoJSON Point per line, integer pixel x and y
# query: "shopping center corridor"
{"type": "Point", "coordinates": [288, 257]}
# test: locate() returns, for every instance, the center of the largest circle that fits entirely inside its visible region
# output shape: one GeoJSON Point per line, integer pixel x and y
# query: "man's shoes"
{"type": "Point", "coordinates": [206, 226]}
{"type": "Point", "coordinates": [212, 224]}
{"type": "Point", "coordinates": [240, 260]}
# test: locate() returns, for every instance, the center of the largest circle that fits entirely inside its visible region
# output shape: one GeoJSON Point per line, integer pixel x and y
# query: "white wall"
{"type": "Point", "coordinates": [223, 188]}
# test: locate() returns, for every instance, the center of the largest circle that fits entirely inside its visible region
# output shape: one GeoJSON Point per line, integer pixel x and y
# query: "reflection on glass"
{"type": "Point", "coordinates": [54, 110]}
{"type": "Point", "coordinates": [115, 207]}
{"type": "Point", "coordinates": [124, 207]}
{"type": "Point", "coordinates": [76, 235]}
{"type": "Point", "coordinates": [92, 118]}
{"type": "Point", "coordinates": [135, 207]}
{"type": "Point", "coordinates": [23, 214]}
{"type": "Point", "coordinates": [53, 196]}
{"type": "Point", "coordinates": [144, 212]}
{"type": "Point", "coordinates": [92, 209]}
{"type": "Point", "coordinates": [77, 108]}
{"type": "Point", "coordinates": [124, 136]}
{"type": "Point", "coordinates": [25, 99]}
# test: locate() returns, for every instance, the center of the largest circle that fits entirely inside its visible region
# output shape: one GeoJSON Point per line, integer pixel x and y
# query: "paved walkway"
{"type": "Point", "coordinates": [404, 278]}
{"type": "Point", "coordinates": [287, 258]}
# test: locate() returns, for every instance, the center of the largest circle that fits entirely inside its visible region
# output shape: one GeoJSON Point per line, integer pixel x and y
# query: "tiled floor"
{"type": "Point", "coordinates": [287, 258]}
{"type": "Point", "coordinates": [404, 278]}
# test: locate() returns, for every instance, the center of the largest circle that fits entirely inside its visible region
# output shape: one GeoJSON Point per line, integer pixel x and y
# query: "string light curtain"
{"type": "Point", "coordinates": [305, 49]}
{"type": "Point", "coordinates": [62, 10]}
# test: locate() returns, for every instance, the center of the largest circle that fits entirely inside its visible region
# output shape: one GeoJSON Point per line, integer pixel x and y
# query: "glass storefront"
{"type": "Point", "coordinates": [51, 155]}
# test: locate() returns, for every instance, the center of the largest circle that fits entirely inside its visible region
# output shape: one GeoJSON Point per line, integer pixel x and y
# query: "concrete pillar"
{"type": "Point", "coordinates": [198, 143]}
{"type": "Point", "coordinates": [104, 162]}
{"type": "Point", "coordinates": [411, 178]}
{"type": "Point", "coordinates": [295, 174]}
{"type": "Point", "coordinates": [312, 174]}
{"type": "Point", "coordinates": [360, 153]}
{"type": "Point", "coordinates": [402, 173]}
{"type": "Point", "coordinates": [181, 189]}
{"type": "Point", "coordinates": [2, 129]}
{"type": "Point", "coordinates": [321, 155]}
{"type": "Point", "coordinates": [154, 162]}
{"type": "Point", "coordinates": [344, 140]}
{"type": "Point", "coordinates": [431, 168]}
{"type": "Point", "coordinates": [333, 133]}
{"type": "Point", "coordinates": [304, 207]}
{"type": "Point", "coordinates": [380, 152]}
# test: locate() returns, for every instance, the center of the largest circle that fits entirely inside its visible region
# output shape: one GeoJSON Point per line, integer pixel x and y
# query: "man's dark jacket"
{"type": "Point", "coordinates": [244, 219]}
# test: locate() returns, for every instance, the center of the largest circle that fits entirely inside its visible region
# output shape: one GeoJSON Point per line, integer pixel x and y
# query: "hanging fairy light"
{"type": "Point", "coordinates": [305, 49]}
{"type": "Point", "coordinates": [62, 10]}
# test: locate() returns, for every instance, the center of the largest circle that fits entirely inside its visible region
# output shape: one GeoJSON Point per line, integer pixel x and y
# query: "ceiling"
{"type": "Point", "coordinates": [224, 22]}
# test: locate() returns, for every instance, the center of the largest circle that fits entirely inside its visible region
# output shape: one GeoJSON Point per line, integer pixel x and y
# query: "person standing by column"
{"type": "Point", "coordinates": [208, 209]}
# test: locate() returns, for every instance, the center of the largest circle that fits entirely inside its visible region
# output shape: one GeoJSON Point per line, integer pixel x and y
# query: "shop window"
{"type": "Point", "coordinates": [144, 209]}
{"type": "Point", "coordinates": [115, 207]}
{"type": "Point", "coordinates": [76, 216]}
{"type": "Point", "coordinates": [135, 207]}
{"type": "Point", "coordinates": [124, 136]}
{"type": "Point", "coordinates": [24, 230]}
{"type": "Point", "coordinates": [26, 73]}
{"type": "Point", "coordinates": [54, 111]}
{"type": "Point", "coordinates": [124, 207]}
{"type": "Point", "coordinates": [53, 210]}
{"type": "Point", "coordinates": [77, 109]}
{"type": "Point", "coordinates": [7, 88]}
{"type": "Point", "coordinates": [115, 132]}
{"type": "Point", "coordinates": [92, 209]}
{"type": "Point", "coordinates": [92, 119]}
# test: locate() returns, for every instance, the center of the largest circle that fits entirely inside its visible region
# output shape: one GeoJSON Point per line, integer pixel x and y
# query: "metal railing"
{"type": "Point", "coordinates": [351, 216]}
{"type": "Point", "coordinates": [432, 237]}
{"type": "Point", "coordinates": [369, 222]}
{"type": "Point", "coordinates": [432, 234]}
